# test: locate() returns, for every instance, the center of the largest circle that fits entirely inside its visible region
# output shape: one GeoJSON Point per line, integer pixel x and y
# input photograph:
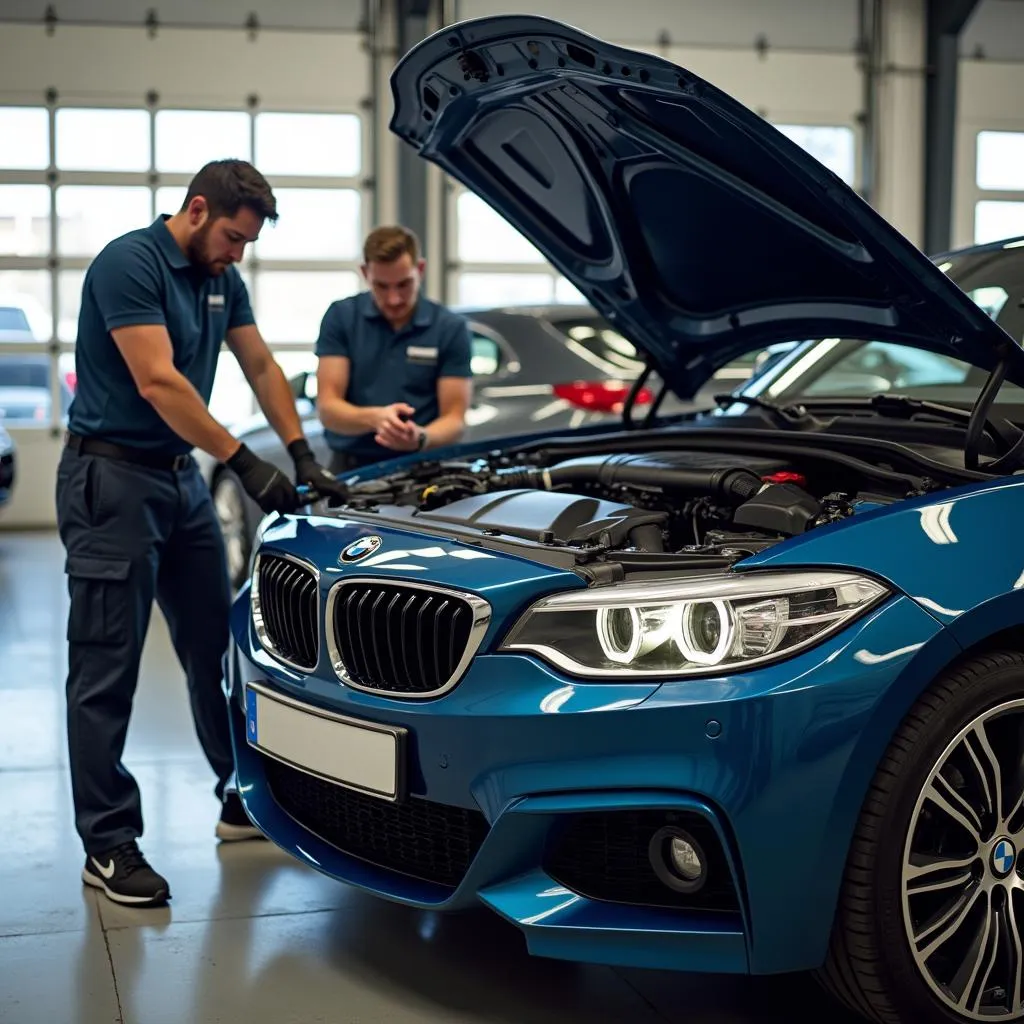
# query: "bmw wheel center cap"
{"type": "Point", "coordinates": [1004, 856]}
{"type": "Point", "coordinates": [360, 548]}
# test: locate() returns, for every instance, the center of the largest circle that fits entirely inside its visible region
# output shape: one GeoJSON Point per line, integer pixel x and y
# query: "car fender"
{"type": "Point", "coordinates": [945, 552]}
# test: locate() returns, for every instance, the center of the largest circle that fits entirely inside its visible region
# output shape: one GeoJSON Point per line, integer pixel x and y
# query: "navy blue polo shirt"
{"type": "Point", "coordinates": [388, 366]}
{"type": "Point", "coordinates": [143, 277]}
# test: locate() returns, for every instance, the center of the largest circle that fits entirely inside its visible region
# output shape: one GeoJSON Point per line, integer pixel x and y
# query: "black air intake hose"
{"type": "Point", "coordinates": [731, 484]}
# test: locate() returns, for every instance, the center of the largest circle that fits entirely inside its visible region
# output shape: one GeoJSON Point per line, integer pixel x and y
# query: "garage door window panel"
{"type": "Point", "coordinates": [91, 139]}
{"type": "Point", "coordinates": [188, 139]}
{"type": "Point", "coordinates": [24, 220]}
{"type": "Point", "coordinates": [294, 144]}
{"type": "Point", "coordinates": [90, 216]}
{"type": "Point", "coordinates": [24, 138]}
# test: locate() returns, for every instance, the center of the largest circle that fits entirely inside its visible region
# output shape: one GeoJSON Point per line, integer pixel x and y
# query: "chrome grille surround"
{"type": "Point", "coordinates": [271, 616]}
{"type": "Point", "coordinates": [417, 595]}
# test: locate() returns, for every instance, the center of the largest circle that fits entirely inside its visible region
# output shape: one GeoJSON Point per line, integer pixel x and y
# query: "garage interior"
{"type": "Point", "coordinates": [107, 108]}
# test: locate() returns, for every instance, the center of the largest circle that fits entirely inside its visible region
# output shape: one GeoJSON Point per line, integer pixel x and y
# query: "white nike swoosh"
{"type": "Point", "coordinates": [106, 872]}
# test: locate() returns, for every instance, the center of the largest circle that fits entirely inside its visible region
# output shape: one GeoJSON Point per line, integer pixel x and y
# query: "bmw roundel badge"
{"type": "Point", "coordinates": [361, 548]}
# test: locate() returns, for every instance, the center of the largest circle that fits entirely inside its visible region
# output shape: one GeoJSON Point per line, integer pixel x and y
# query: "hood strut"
{"type": "Point", "coordinates": [634, 391]}
{"type": "Point", "coordinates": [630, 403]}
{"type": "Point", "coordinates": [1012, 459]}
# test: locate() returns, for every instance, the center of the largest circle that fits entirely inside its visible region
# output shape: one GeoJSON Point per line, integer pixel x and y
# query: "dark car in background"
{"type": "Point", "coordinates": [522, 383]}
{"type": "Point", "coordinates": [7, 469]}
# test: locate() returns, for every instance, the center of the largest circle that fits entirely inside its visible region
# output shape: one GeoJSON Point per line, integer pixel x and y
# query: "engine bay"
{"type": "Point", "coordinates": [708, 507]}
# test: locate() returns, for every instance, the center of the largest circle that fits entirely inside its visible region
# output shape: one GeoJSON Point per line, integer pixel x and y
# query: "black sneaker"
{"type": "Point", "coordinates": [126, 877]}
{"type": "Point", "coordinates": [234, 823]}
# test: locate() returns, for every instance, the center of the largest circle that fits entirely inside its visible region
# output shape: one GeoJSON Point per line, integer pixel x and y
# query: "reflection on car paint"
{"type": "Point", "coordinates": [936, 525]}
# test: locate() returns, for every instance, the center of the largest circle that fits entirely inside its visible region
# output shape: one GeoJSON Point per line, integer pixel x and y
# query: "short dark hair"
{"type": "Point", "coordinates": [227, 185]}
{"type": "Point", "coordinates": [390, 243]}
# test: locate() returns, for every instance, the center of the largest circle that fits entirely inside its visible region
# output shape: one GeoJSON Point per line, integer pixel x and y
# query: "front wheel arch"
{"type": "Point", "coordinates": [941, 654]}
{"type": "Point", "coordinates": [869, 965]}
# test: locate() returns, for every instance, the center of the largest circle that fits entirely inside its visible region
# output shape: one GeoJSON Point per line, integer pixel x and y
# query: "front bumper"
{"type": "Point", "coordinates": [772, 766]}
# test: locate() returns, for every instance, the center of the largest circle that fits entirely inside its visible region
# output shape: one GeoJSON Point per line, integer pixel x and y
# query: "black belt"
{"type": "Point", "coordinates": [138, 456]}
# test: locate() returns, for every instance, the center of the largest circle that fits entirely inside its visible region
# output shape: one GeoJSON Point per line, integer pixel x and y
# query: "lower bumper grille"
{"type": "Point", "coordinates": [429, 841]}
{"type": "Point", "coordinates": [605, 857]}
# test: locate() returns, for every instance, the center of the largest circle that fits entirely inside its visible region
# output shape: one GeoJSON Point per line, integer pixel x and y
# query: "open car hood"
{"type": "Point", "coordinates": [692, 224]}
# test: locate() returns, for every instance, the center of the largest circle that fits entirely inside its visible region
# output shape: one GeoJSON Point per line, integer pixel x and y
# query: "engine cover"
{"type": "Point", "coordinates": [546, 516]}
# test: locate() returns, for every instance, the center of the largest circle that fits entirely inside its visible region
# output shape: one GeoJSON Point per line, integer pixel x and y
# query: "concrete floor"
{"type": "Point", "coordinates": [251, 934]}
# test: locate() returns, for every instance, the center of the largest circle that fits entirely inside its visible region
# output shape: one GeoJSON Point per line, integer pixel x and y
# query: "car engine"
{"type": "Point", "coordinates": [660, 502]}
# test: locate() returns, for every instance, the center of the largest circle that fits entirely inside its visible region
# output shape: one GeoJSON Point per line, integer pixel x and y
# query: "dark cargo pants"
{"type": "Point", "coordinates": [133, 534]}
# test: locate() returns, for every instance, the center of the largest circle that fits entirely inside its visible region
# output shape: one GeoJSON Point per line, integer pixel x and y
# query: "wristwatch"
{"type": "Point", "coordinates": [421, 440]}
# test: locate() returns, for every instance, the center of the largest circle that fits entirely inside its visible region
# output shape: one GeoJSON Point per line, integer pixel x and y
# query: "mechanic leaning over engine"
{"type": "Point", "coordinates": [394, 370]}
{"type": "Point", "coordinates": [134, 513]}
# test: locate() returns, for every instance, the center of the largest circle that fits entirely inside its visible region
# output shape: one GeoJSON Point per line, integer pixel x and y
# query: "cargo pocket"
{"type": "Point", "coordinates": [99, 599]}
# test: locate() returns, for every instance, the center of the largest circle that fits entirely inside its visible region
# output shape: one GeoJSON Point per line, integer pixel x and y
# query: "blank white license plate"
{"type": "Point", "coordinates": [357, 754]}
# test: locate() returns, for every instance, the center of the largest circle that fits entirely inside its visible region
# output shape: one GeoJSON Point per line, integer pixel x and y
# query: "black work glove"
{"type": "Point", "coordinates": [309, 471]}
{"type": "Point", "coordinates": [264, 483]}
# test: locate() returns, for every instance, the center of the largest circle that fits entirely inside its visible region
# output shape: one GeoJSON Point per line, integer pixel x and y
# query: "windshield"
{"type": "Point", "coordinates": [18, 373]}
{"type": "Point", "coordinates": [596, 336]}
{"type": "Point", "coordinates": [860, 368]}
{"type": "Point", "coordinates": [619, 357]}
{"type": "Point", "coordinates": [13, 319]}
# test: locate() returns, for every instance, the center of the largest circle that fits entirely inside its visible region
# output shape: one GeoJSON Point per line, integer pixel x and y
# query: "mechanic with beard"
{"type": "Point", "coordinates": [135, 515]}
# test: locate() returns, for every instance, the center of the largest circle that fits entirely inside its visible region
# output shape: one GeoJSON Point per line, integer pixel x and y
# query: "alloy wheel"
{"type": "Point", "coordinates": [963, 870]}
{"type": "Point", "coordinates": [231, 515]}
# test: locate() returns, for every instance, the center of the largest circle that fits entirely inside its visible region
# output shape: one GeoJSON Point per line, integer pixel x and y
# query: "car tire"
{"type": "Point", "coordinates": [232, 507]}
{"type": "Point", "coordinates": [890, 957]}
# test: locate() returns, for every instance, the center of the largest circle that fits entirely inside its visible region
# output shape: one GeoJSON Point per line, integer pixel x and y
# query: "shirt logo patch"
{"type": "Point", "coordinates": [421, 354]}
{"type": "Point", "coordinates": [215, 301]}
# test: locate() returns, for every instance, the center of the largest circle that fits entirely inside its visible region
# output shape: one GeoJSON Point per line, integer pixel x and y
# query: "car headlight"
{"type": "Point", "coordinates": [688, 627]}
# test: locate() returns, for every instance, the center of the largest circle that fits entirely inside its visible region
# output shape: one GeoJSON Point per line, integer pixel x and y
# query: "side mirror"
{"type": "Point", "coordinates": [303, 386]}
{"type": "Point", "coordinates": [854, 383]}
{"type": "Point", "coordinates": [298, 385]}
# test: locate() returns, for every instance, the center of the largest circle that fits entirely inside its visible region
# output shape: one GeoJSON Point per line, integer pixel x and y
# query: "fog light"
{"type": "Point", "coordinates": [685, 859]}
{"type": "Point", "coordinates": [678, 859]}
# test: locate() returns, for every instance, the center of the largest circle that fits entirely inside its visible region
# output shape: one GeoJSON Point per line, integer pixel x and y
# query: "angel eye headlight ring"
{"type": "Point", "coordinates": [707, 631]}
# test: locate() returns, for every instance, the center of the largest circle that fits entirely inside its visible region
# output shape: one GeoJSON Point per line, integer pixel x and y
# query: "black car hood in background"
{"type": "Point", "coordinates": [691, 223]}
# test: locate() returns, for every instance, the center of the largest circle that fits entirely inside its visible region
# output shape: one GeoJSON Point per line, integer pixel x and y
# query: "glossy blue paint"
{"type": "Point", "coordinates": [561, 924]}
{"type": "Point", "coordinates": [778, 781]}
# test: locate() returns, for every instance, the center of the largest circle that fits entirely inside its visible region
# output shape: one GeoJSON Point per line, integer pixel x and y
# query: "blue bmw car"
{"type": "Point", "coordinates": [731, 693]}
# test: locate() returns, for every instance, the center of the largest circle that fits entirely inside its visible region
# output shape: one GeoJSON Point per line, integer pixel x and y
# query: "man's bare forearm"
{"type": "Point", "coordinates": [445, 430]}
{"type": "Point", "coordinates": [345, 418]}
{"type": "Point", "coordinates": [181, 408]}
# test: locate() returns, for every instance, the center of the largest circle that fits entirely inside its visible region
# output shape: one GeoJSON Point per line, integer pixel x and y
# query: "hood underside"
{"type": "Point", "coordinates": [692, 224]}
